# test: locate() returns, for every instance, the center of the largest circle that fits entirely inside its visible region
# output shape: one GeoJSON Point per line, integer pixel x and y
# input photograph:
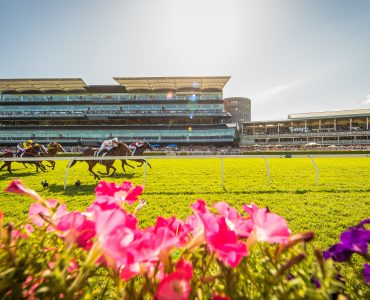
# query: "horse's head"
{"type": "Point", "coordinates": [56, 147]}
{"type": "Point", "coordinates": [147, 146]}
{"type": "Point", "coordinates": [59, 147]}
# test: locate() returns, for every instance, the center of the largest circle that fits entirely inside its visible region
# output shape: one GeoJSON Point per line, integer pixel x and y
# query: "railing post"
{"type": "Point", "coordinates": [66, 173]}
{"type": "Point", "coordinates": [316, 169]}
{"type": "Point", "coordinates": [222, 173]}
{"type": "Point", "coordinates": [267, 169]}
{"type": "Point", "coordinates": [144, 175]}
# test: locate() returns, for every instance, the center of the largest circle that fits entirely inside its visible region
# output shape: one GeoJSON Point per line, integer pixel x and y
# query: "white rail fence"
{"type": "Point", "coordinates": [220, 157]}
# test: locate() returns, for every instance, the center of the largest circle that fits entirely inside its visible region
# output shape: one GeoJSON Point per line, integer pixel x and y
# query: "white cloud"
{"type": "Point", "coordinates": [273, 91]}
{"type": "Point", "coordinates": [367, 100]}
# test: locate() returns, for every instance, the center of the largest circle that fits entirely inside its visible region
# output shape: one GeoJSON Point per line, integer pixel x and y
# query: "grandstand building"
{"type": "Point", "coordinates": [239, 108]}
{"type": "Point", "coordinates": [346, 127]}
{"type": "Point", "coordinates": [160, 110]}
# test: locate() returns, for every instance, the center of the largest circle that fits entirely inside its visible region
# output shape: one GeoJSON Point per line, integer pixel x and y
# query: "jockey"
{"type": "Point", "coordinates": [23, 147]}
{"type": "Point", "coordinates": [42, 148]}
{"type": "Point", "coordinates": [107, 145]}
{"type": "Point", "coordinates": [134, 146]}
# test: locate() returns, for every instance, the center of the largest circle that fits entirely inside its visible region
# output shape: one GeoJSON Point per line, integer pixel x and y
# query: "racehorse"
{"type": "Point", "coordinates": [54, 148]}
{"type": "Point", "coordinates": [32, 152]}
{"type": "Point", "coordinates": [120, 150]}
{"type": "Point", "coordinates": [138, 152]}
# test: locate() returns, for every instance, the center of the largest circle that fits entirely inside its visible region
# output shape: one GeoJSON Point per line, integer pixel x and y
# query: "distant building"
{"type": "Point", "coordinates": [239, 108]}
{"type": "Point", "coordinates": [343, 127]}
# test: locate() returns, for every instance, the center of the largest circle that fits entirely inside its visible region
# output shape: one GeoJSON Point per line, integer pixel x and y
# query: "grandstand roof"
{"type": "Point", "coordinates": [331, 114]}
{"type": "Point", "coordinates": [42, 85]}
{"type": "Point", "coordinates": [173, 83]}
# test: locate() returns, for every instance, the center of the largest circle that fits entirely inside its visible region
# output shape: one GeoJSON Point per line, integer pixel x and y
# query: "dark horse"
{"type": "Point", "coordinates": [54, 148]}
{"type": "Point", "coordinates": [32, 152]}
{"type": "Point", "coordinates": [120, 150]}
{"type": "Point", "coordinates": [138, 152]}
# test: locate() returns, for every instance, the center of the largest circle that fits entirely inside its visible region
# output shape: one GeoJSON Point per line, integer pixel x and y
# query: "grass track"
{"type": "Point", "coordinates": [341, 199]}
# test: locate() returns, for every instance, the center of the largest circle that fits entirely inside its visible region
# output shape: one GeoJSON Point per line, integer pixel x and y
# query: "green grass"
{"type": "Point", "coordinates": [341, 200]}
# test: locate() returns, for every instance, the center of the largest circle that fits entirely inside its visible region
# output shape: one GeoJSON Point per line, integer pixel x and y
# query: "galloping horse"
{"type": "Point", "coordinates": [120, 150]}
{"type": "Point", "coordinates": [32, 152]}
{"type": "Point", "coordinates": [138, 152]}
{"type": "Point", "coordinates": [54, 148]}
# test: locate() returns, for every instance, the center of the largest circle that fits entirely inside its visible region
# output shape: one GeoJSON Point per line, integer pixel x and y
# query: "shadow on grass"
{"type": "Point", "coordinates": [7, 175]}
{"type": "Point", "coordinates": [84, 188]}
{"type": "Point", "coordinates": [250, 192]}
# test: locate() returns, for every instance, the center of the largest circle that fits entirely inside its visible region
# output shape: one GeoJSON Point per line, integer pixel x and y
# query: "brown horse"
{"type": "Point", "coordinates": [120, 150]}
{"type": "Point", "coordinates": [54, 148]}
{"type": "Point", "coordinates": [138, 152]}
{"type": "Point", "coordinates": [32, 152]}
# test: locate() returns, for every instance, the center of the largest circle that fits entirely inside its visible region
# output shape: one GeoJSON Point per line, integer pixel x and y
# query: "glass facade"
{"type": "Point", "coordinates": [183, 116]}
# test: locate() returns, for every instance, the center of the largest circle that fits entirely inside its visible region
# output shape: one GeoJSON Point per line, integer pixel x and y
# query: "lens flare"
{"type": "Point", "coordinates": [169, 96]}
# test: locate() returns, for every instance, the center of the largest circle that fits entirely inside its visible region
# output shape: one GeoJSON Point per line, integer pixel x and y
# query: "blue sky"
{"type": "Point", "coordinates": [288, 56]}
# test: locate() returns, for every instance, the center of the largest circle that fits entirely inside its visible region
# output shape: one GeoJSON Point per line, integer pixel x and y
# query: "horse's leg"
{"type": "Point", "coordinates": [42, 167]}
{"type": "Point", "coordinates": [107, 168]}
{"type": "Point", "coordinates": [52, 164]}
{"type": "Point", "coordinates": [96, 176]}
{"type": "Point", "coordinates": [3, 166]}
{"type": "Point", "coordinates": [148, 164]}
{"type": "Point", "coordinates": [141, 161]}
{"type": "Point", "coordinates": [111, 167]}
{"type": "Point", "coordinates": [39, 166]}
{"type": "Point", "coordinates": [9, 167]}
{"type": "Point", "coordinates": [25, 165]}
{"type": "Point", "coordinates": [124, 162]}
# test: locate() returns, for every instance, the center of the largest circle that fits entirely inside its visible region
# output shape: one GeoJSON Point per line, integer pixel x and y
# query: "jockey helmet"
{"type": "Point", "coordinates": [115, 140]}
{"type": "Point", "coordinates": [29, 142]}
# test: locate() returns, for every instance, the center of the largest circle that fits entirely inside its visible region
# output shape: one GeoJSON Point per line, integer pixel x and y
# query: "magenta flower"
{"type": "Point", "coordinates": [241, 226]}
{"type": "Point", "coordinates": [225, 244]}
{"type": "Point", "coordinates": [176, 286]}
{"type": "Point", "coordinates": [17, 187]}
{"type": "Point", "coordinates": [178, 227]}
{"type": "Point", "coordinates": [267, 226]}
{"type": "Point", "coordinates": [219, 237]}
{"type": "Point", "coordinates": [115, 230]}
{"type": "Point", "coordinates": [154, 243]}
{"type": "Point", "coordinates": [124, 192]}
{"type": "Point", "coordinates": [77, 229]}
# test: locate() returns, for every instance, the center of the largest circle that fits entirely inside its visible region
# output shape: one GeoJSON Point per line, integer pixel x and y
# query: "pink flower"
{"type": "Point", "coordinates": [268, 227]}
{"type": "Point", "coordinates": [37, 209]}
{"type": "Point", "coordinates": [153, 244]}
{"type": "Point", "coordinates": [17, 187]}
{"type": "Point", "coordinates": [225, 244]}
{"type": "Point", "coordinates": [115, 231]}
{"type": "Point", "coordinates": [177, 227]}
{"type": "Point", "coordinates": [76, 228]}
{"type": "Point", "coordinates": [241, 226]}
{"type": "Point", "coordinates": [124, 192]}
{"type": "Point", "coordinates": [73, 266]}
{"type": "Point", "coordinates": [129, 271]}
{"type": "Point", "coordinates": [176, 286]}
{"type": "Point", "coordinates": [219, 237]}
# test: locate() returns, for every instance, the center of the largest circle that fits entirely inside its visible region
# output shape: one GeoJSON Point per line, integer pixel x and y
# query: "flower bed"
{"type": "Point", "coordinates": [215, 253]}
